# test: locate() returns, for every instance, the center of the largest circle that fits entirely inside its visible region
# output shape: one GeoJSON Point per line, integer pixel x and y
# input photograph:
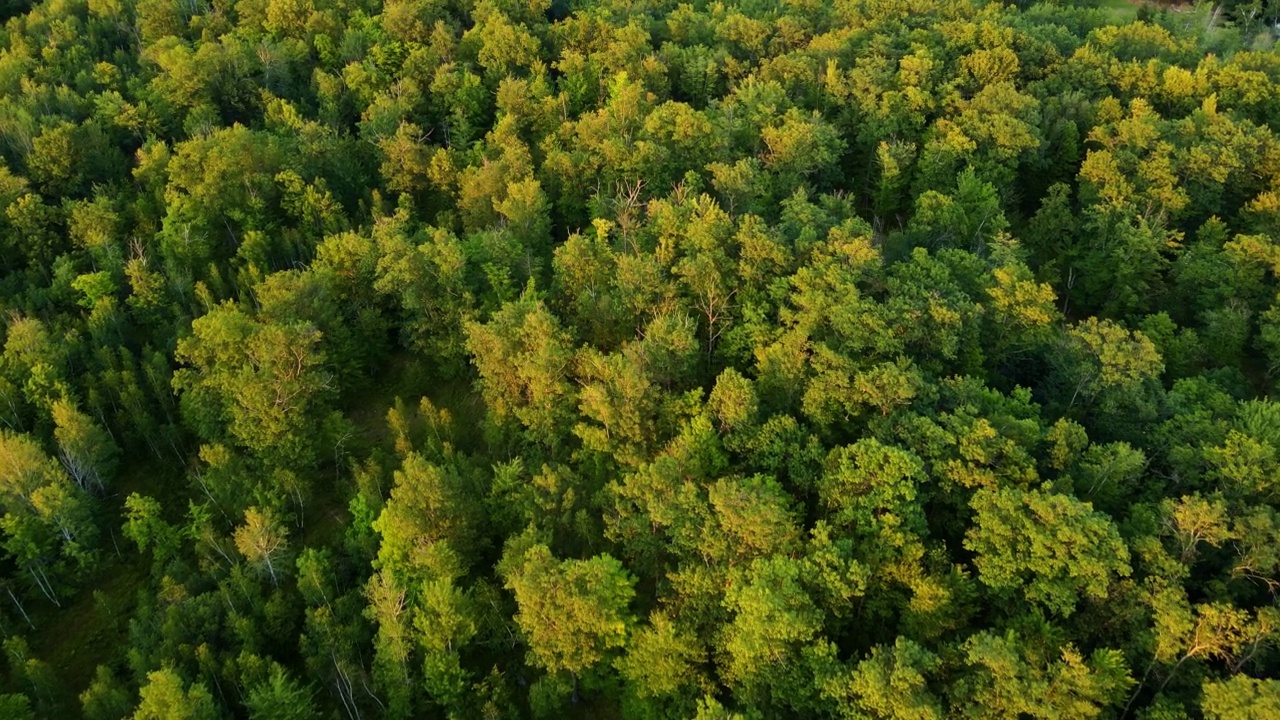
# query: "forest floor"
{"type": "Point", "coordinates": [92, 625]}
{"type": "Point", "coordinates": [404, 377]}
{"type": "Point", "coordinates": [90, 628]}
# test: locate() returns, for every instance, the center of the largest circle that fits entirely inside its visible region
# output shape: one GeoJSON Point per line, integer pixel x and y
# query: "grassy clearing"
{"type": "Point", "coordinates": [1120, 11]}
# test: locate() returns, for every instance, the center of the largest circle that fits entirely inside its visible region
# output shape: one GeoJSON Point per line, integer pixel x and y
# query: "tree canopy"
{"type": "Point", "coordinates": [850, 360]}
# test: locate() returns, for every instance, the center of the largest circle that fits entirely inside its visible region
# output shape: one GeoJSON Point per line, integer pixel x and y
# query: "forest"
{"type": "Point", "coordinates": [639, 359]}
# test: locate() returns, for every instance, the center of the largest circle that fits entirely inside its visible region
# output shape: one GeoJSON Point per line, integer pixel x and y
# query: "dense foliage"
{"type": "Point", "coordinates": [874, 359]}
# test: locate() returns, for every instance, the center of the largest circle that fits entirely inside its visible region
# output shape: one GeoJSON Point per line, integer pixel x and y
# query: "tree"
{"type": "Point", "coordinates": [47, 519]}
{"type": "Point", "coordinates": [662, 663]}
{"type": "Point", "coordinates": [87, 452]}
{"type": "Point", "coordinates": [1053, 548]}
{"type": "Point", "coordinates": [798, 147]}
{"type": "Point", "coordinates": [573, 613]}
{"type": "Point", "coordinates": [219, 186]}
{"type": "Point", "coordinates": [1110, 373]}
{"type": "Point", "coordinates": [429, 532]}
{"type": "Point", "coordinates": [618, 402]}
{"type": "Point", "coordinates": [265, 382]}
{"type": "Point", "coordinates": [871, 489]}
{"type": "Point", "coordinates": [524, 357]}
{"type": "Point", "coordinates": [264, 542]}
{"type": "Point", "coordinates": [1192, 520]}
{"type": "Point", "coordinates": [773, 618]}
{"type": "Point", "coordinates": [1021, 315]}
{"type": "Point", "coordinates": [890, 684]}
{"type": "Point", "coordinates": [166, 697]}
{"type": "Point", "coordinates": [33, 361]}
{"type": "Point", "coordinates": [584, 269]}
{"type": "Point", "coordinates": [428, 507]}
{"type": "Point", "coordinates": [146, 527]}
{"type": "Point", "coordinates": [1113, 358]}
{"type": "Point", "coordinates": [968, 217]}
{"type": "Point", "coordinates": [105, 698]}
{"type": "Point", "coordinates": [697, 245]}
{"type": "Point", "coordinates": [1241, 698]}
{"type": "Point", "coordinates": [316, 579]}
{"type": "Point", "coordinates": [280, 698]}
{"type": "Point", "coordinates": [407, 160]}
{"type": "Point", "coordinates": [1011, 677]}
{"type": "Point", "coordinates": [26, 469]}
{"type": "Point", "coordinates": [430, 281]}
{"type": "Point", "coordinates": [16, 706]}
